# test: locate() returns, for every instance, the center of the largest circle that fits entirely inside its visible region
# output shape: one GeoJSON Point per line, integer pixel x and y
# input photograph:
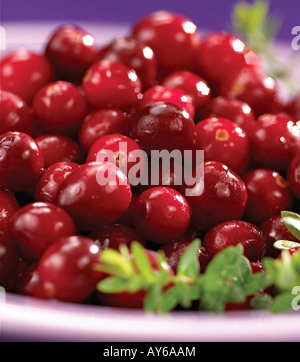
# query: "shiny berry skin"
{"type": "Point", "coordinates": [8, 206]}
{"type": "Point", "coordinates": [73, 279]}
{"type": "Point", "coordinates": [71, 50]}
{"type": "Point", "coordinates": [223, 141]}
{"type": "Point", "coordinates": [275, 139]}
{"type": "Point", "coordinates": [50, 180]}
{"type": "Point", "coordinates": [253, 86]}
{"type": "Point", "coordinates": [233, 232]}
{"type": "Point", "coordinates": [58, 148]}
{"type": "Point", "coordinates": [293, 176]}
{"type": "Point", "coordinates": [8, 258]}
{"type": "Point", "coordinates": [92, 197]}
{"type": "Point", "coordinates": [36, 226]}
{"type": "Point", "coordinates": [178, 32]}
{"type": "Point", "coordinates": [119, 150]}
{"type": "Point", "coordinates": [30, 283]}
{"type": "Point", "coordinates": [101, 123]}
{"type": "Point", "coordinates": [268, 195]}
{"type": "Point", "coordinates": [274, 229]}
{"type": "Point", "coordinates": [135, 55]}
{"type": "Point", "coordinates": [160, 93]}
{"type": "Point", "coordinates": [108, 84]}
{"type": "Point", "coordinates": [24, 72]}
{"type": "Point", "coordinates": [59, 107]}
{"type": "Point", "coordinates": [15, 115]}
{"type": "Point", "coordinates": [21, 161]}
{"type": "Point", "coordinates": [163, 126]}
{"type": "Point", "coordinates": [236, 110]}
{"type": "Point", "coordinates": [161, 214]}
{"type": "Point", "coordinates": [221, 53]}
{"type": "Point", "coordinates": [222, 197]}
{"type": "Point", "coordinates": [191, 84]}
{"type": "Point", "coordinates": [112, 236]}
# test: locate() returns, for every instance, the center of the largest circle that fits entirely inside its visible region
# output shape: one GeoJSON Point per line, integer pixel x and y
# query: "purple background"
{"type": "Point", "coordinates": [208, 14]}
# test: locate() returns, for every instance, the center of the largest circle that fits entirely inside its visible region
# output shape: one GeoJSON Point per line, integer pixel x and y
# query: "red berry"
{"type": "Point", "coordinates": [60, 107]}
{"type": "Point", "coordinates": [111, 85]}
{"type": "Point", "coordinates": [30, 283]}
{"type": "Point", "coordinates": [233, 232]}
{"type": "Point", "coordinates": [58, 148]}
{"type": "Point", "coordinates": [8, 206]}
{"type": "Point", "coordinates": [293, 176]}
{"type": "Point", "coordinates": [73, 278]}
{"type": "Point", "coordinates": [161, 214]}
{"type": "Point", "coordinates": [95, 194]}
{"type": "Point", "coordinates": [268, 195]}
{"type": "Point", "coordinates": [21, 161]}
{"type": "Point", "coordinates": [24, 72]}
{"type": "Point", "coordinates": [37, 225]}
{"type": "Point", "coordinates": [8, 258]}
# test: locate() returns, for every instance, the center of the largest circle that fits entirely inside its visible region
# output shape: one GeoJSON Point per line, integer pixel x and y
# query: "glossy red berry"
{"type": "Point", "coordinates": [24, 72]}
{"type": "Point", "coordinates": [73, 279]}
{"type": "Point", "coordinates": [60, 107]}
{"type": "Point", "coordinates": [15, 115]}
{"type": "Point", "coordinates": [163, 126]}
{"type": "Point", "coordinates": [21, 161]}
{"type": "Point", "coordinates": [95, 194]}
{"type": "Point", "coordinates": [274, 229]}
{"type": "Point", "coordinates": [160, 93]}
{"type": "Point", "coordinates": [8, 206]}
{"type": "Point", "coordinates": [293, 176]}
{"type": "Point", "coordinates": [274, 140]}
{"type": "Point", "coordinates": [268, 195]}
{"type": "Point", "coordinates": [58, 148]}
{"type": "Point", "coordinates": [161, 214]}
{"type": "Point", "coordinates": [218, 196]}
{"type": "Point", "coordinates": [101, 123]}
{"type": "Point", "coordinates": [233, 232]}
{"type": "Point", "coordinates": [135, 55]}
{"type": "Point", "coordinates": [110, 84]}
{"type": "Point", "coordinates": [30, 283]}
{"type": "Point", "coordinates": [71, 50]}
{"type": "Point", "coordinates": [50, 180]}
{"type": "Point", "coordinates": [37, 225]}
{"type": "Point", "coordinates": [8, 258]}
{"type": "Point", "coordinates": [223, 141]}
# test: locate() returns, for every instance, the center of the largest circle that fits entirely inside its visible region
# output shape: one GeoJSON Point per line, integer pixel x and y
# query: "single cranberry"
{"type": "Point", "coordinates": [161, 214]}
{"type": "Point", "coordinates": [21, 161]}
{"type": "Point", "coordinates": [274, 140]}
{"type": "Point", "coordinates": [112, 236]}
{"type": "Point", "coordinates": [24, 72]}
{"type": "Point", "coordinates": [50, 180]}
{"type": "Point", "coordinates": [293, 176]}
{"type": "Point", "coordinates": [58, 148]}
{"type": "Point", "coordinates": [8, 206]}
{"type": "Point", "coordinates": [110, 84]}
{"type": "Point", "coordinates": [135, 55]}
{"type": "Point", "coordinates": [223, 141]}
{"type": "Point", "coordinates": [234, 109]}
{"type": "Point", "coordinates": [191, 84]}
{"type": "Point", "coordinates": [71, 50]}
{"type": "Point", "coordinates": [218, 194]}
{"type": "Point", "coordinates": [163, 126]}
{"type": "Point", "coordinates": [8, 258]}
{"type": "Point", "coordinates": [268, 195]}
{"type": "Point", "coordinates": [253, 86]}
{"type": "Point", "coordinates": [101, 123]}
{"type": "Point", "coordinates": [95, 194]}
{"type": "Point", "coordinates": [30, 283]}
{"type": "Point", "coordinates": [120, 150]}
{"type": "Point", "coordinates": [178, 32]}
{"type": "Point", "coordinates": [15, 115]}
{"type": "Point", "coordinates": [37, 225]}
{"type": "Point", "coordinates": [274, 229]}
{"type": "Point", "coordinates": [59, 107]}
{"type": "Point", "coordinates": [160, 93]}
{"type": "Point", "coordinates": [221, 53]}
{"type": "Point", "coordinates": [73, 278]}
{"type": "Point", "coordinates": [233, 232]}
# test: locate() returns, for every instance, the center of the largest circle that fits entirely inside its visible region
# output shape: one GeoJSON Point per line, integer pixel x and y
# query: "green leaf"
{"type": "Point", "coordinates": [282, 302]}
{"type": "Point", "coordinates": [168, 300]}
{"type": "Point", "coordinates": [152, 299]}
{"type": "Point", "coordinates": [292, 221]}
{"type": "Point", "coordinates": [285, 244]}
{"type": "Point", "coordinates": [256, 282]}
{"type": "Point", "coordinates": [112, 262]}
{"type": "Point", "coordinates": [113, 285]}
{"type": "Point", "coordinates": [261, 301]}
{"type": "Point", "coordinates": [296, 262]}
{"type": "Point", "coordinates": [142, 261]}
{"type": "Point", "coordinates": [188, 264]}
{"type": "Point", "coordinates": [270, 267]}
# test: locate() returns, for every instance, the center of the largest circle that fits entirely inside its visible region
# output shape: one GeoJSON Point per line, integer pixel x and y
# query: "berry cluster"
{"type": "Point", "coordinates": [163, 87]}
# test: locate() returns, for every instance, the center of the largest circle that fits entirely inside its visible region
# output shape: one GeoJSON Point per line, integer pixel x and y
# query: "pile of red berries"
{"type": "Point", "coordinates": [163, 87]}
